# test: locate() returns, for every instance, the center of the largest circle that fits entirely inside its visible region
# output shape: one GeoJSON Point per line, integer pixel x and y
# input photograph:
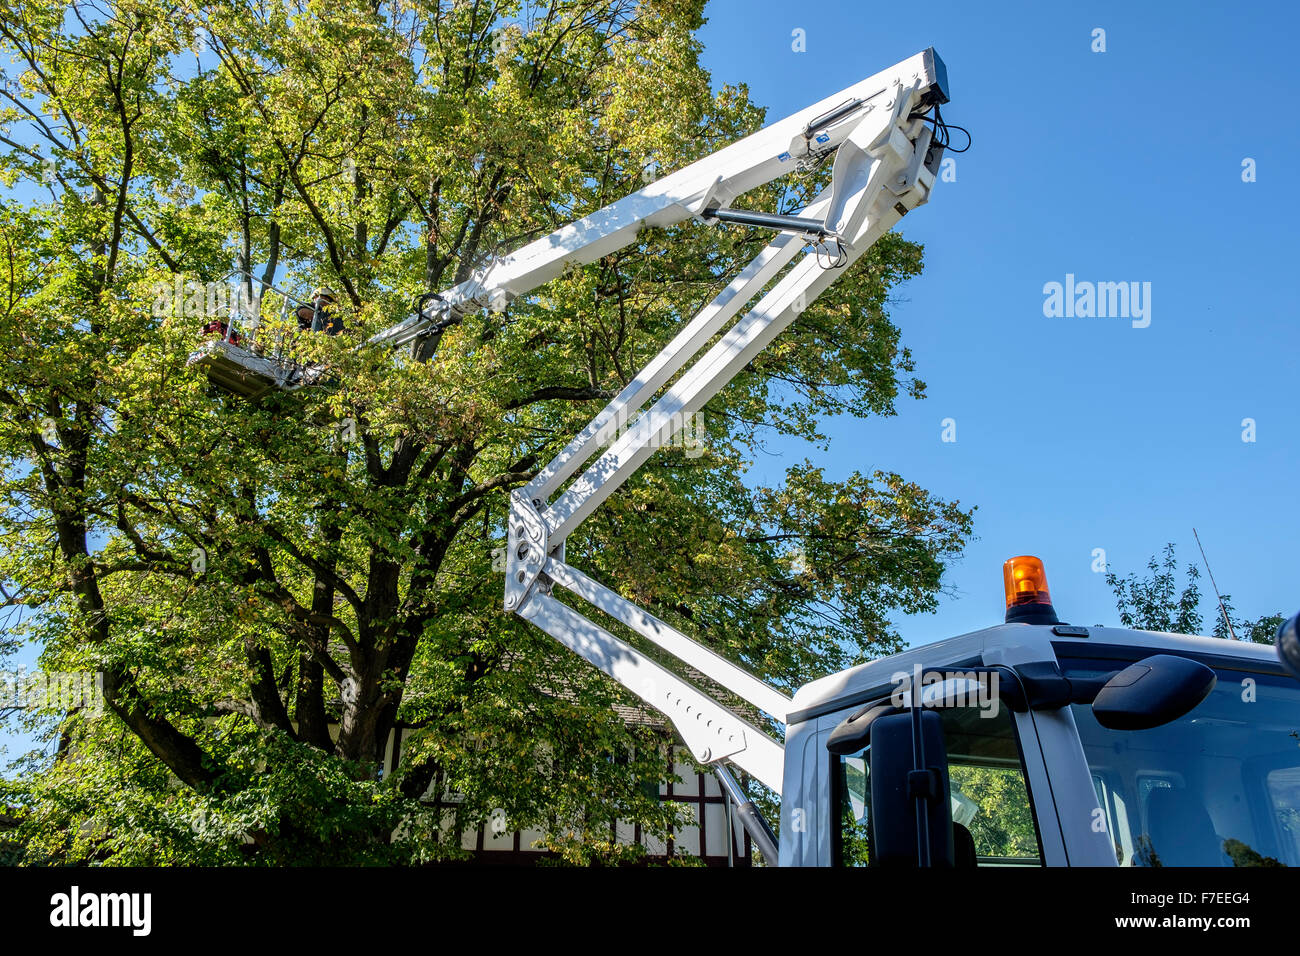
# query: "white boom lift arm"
{"type": "Point", "coordinates": [885, 165]}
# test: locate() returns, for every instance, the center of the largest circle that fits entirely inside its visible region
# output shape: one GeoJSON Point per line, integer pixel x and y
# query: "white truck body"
{"type": "Point", "coordinates": [1075, 824]}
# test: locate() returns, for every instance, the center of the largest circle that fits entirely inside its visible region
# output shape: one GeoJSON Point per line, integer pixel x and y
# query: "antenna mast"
{"type": "Point", "coordinates": [1222, 610]}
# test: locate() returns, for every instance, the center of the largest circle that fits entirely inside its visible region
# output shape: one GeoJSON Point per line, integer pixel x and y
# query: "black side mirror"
{"type": "Point", "coordinates": [955, 687]}
{"type": "Point", "coordinates": [854, 731]}
{"type": "Point", "coordinates": [909, 804]}
{"type": "Point", "coordinates": [1152, 692]}
{"type": "Point", "coordinates": [1288, 645]}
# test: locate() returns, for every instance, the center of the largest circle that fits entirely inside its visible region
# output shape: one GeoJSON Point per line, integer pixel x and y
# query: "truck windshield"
{"type": "Point", "coordinates": [1218, 787]}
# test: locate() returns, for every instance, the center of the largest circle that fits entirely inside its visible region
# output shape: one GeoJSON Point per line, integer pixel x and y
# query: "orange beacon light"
{"type": "Point", "coordinates": [1028, 599]}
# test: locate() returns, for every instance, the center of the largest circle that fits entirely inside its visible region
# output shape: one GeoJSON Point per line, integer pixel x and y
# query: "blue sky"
{"type": "Point", "coordinates": [1126, 165]}
{"type": "Point", "coordinates": [1079, 433]}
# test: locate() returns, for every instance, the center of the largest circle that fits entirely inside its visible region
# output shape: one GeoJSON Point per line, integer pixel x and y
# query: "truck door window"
{"type": "Point", "coordinates": [990, 799]}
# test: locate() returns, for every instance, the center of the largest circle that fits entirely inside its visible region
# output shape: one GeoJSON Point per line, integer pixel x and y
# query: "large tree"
{"type": "Point", "coordinates": [269, 587]}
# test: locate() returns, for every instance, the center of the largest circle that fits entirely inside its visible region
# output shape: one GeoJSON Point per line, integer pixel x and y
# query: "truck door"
{"type": "Point", "coordinates": [993, 812]}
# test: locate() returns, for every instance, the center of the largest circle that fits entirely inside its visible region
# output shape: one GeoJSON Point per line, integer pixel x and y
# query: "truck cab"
{"type": "Point", "coordinates": [1032, 778]}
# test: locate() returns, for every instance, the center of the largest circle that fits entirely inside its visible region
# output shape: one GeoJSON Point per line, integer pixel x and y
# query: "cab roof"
{"type": "Point", "coordinates": [1009, 644]}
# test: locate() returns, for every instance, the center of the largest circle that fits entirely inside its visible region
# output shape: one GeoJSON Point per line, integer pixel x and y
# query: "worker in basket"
{"type": "Point", "coordinates": [319, 315]}
{"type": "Point", "coordinates": [219, 328]}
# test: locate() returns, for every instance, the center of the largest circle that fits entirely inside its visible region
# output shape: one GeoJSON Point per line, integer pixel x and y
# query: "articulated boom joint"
{"type": "Point", "coordinates": [527, 551]}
